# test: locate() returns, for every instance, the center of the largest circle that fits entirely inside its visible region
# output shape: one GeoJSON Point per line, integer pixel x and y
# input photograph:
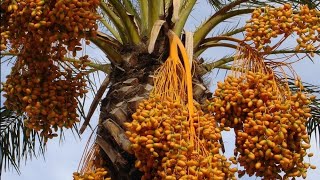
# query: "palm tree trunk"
{"type": "Point", "coordinates": [127, 90]}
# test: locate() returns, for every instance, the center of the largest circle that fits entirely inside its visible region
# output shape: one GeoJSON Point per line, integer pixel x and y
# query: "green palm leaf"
{"type": "Point", "coordinates": [15, 144]}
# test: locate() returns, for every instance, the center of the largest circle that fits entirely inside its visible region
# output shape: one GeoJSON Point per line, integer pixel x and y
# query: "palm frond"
{"type": "Point", "coordinates": [313, 124]}
{"type": "Point", "coordinates": [17, 143]}
{"type": "Point", "coordinates": [216, 4]}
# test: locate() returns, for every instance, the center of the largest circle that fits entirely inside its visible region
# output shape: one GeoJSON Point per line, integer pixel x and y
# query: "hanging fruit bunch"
{"type": "Point", "coordinates": [66, 22]}
{"type": "Point", "coordinates": [98, 174]}
{"type": "Point", "coordinates": [91, 166]}
{"type": "Point", "coordinates": [172, 138]}
{"type": "Point", "coordinates": [160, 137]}
{"type": "Point", "coordinates": [46, 93]}
{"type": "Point", "coordinates": [269, 119]}
{"type": "Point", "coordinates": [272, 22]}
{"type": "Point", "coordinates": [42, 84]}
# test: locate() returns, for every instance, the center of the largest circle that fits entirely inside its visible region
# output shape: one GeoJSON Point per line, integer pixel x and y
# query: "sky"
{"type": "Point", "coordinates": [62, 158]}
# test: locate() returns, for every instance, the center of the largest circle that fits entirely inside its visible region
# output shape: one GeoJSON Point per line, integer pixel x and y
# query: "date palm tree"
{"type": "Point", "coordinates": [133, 37]}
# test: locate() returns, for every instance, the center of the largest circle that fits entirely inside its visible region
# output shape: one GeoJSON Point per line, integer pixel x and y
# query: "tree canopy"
{"type": "Point", "coordinates": [263, 97]}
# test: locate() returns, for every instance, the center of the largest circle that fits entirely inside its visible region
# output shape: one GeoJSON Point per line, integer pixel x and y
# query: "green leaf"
{"type": "Point", "coordinates": [144, 11]}
{"type": "Point", "coordinates": [183, 16]}
{"type": "Point", "coordinates": [128, 23]}
{"type": "Point", "coordinates": [115, 20]}
{"type": "Point", "coordinates": [111, 29]}
{"type": "Point", "coordinates": [216, 4]}
{"type": "Point", "coordinates": [213, 21]}
{"type": "Point", "coordinates": [15, 144]}
{"type": "Point", "coordinates": [108, 48]}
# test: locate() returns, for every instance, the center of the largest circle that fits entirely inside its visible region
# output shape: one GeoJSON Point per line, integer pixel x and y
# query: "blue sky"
{"type": "Point", "coordinates": [62, 159]}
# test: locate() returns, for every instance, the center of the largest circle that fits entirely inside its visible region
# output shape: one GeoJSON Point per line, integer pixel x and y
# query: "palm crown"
{"type": "Point", "coordinates": [134, 37]}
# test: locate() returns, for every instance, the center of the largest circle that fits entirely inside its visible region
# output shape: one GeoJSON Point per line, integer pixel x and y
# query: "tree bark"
{"type": "Point", "coordinates": [127, 90]}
